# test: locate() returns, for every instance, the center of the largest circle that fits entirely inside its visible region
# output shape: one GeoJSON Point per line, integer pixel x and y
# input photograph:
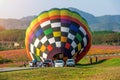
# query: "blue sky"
{"type": "Point", "coordinates": [23, 8]}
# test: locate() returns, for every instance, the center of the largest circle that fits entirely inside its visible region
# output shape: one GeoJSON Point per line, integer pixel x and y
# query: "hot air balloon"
{"type": "Point", "coordinates": [58, 34]}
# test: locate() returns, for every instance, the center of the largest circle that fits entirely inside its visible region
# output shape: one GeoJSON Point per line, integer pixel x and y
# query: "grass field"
{"type": "Point", "coordinates": [102, 70]}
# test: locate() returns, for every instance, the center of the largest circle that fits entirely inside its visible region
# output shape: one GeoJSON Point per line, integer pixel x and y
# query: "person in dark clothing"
{"type": "Point", "coordinates": [24, 64]}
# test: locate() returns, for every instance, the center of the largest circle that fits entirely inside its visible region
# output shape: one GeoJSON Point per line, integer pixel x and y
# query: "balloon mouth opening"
{"type": "Point", "coordinates": [60, 56]}
{"type": "Point", "coordinates": [57, 54]}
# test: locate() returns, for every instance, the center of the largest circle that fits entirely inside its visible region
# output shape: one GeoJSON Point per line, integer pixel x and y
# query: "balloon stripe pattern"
{"type": "Point", "coordinates": [57, 31]}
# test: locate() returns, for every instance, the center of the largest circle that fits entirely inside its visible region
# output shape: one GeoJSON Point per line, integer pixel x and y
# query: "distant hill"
{"type": "Point", "coordinates": [108, 23]}
{"type": "Point", "coordinates": [96, 23]}
{"type": "Point", "coordinates": [28, 18]}
{"type": "Point", "coordinates": [111, 26]}
{"type": "Point", "coordinates": [14, 23]}
{"type": "Point", "coordinates": [101, 23]}
{"type": "Point", "coordinates": [109, 18]}
{"type": "Point", "coordinates": [89, 17]}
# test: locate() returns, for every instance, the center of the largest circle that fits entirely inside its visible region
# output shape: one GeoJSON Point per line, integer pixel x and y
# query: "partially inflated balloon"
{"type": "Point", "coordinates": [58, 31]}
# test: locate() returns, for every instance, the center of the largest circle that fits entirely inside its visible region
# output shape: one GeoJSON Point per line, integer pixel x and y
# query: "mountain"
{"type": "Point", "coordinates": [96, 23]}
{"type": "Point", "coordinates": [101, 23]}
{"type": "Point", "coordinates": [28, 18]}
{"type": "Point", "coordinates": [107, 22]}
{"type": "Point", "coordinates": [91, 19]}
{"type": "Point", "coordinates": [109, 18]}
{"type": "Point", "coordinates": [14, 23]}
{"type": "Point", "coordinates": [112, 26]}
{"type": "Point", "coordinates": [22, 23]}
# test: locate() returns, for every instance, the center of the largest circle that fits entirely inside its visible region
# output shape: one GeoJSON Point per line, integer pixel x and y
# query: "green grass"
{"type": "Point", "coordinates": [85, 62]}
{"type": "Point", "coordinates": [48, 74]}
{"type": "Point", "coordinates": [103, 70]}
{"type": "Point", "coordinates": [112, 62]}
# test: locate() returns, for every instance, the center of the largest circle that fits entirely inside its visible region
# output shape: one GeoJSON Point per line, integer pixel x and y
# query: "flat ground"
{"type": "Point", "coordinates": [106, 69]}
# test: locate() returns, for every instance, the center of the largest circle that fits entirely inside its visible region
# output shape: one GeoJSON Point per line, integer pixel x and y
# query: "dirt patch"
{"type": "Point", "coordinates": [14, 55]}
{"type": "Point", "coordinates": [103, 49]}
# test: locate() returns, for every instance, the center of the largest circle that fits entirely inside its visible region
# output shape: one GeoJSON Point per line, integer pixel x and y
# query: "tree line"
{"type": "Point", "coordinates": [98, 37]}
{"type": "Point", "coordinates": [106, 38]}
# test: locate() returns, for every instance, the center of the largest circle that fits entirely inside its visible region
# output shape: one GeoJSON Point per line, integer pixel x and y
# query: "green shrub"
{"type": "Point", "coordinates": [2, 60]}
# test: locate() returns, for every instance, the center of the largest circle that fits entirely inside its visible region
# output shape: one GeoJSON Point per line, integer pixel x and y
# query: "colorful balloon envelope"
{"type": "Point", "coordinates": [58, 31]}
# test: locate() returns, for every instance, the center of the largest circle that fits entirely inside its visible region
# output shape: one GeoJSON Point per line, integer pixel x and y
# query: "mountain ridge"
{"type": "Point", "coordinates": [96, 23]}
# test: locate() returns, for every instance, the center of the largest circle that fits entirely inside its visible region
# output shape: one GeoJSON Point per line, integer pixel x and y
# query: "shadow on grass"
{"type": "Point", "coordinates": [90, 65]}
